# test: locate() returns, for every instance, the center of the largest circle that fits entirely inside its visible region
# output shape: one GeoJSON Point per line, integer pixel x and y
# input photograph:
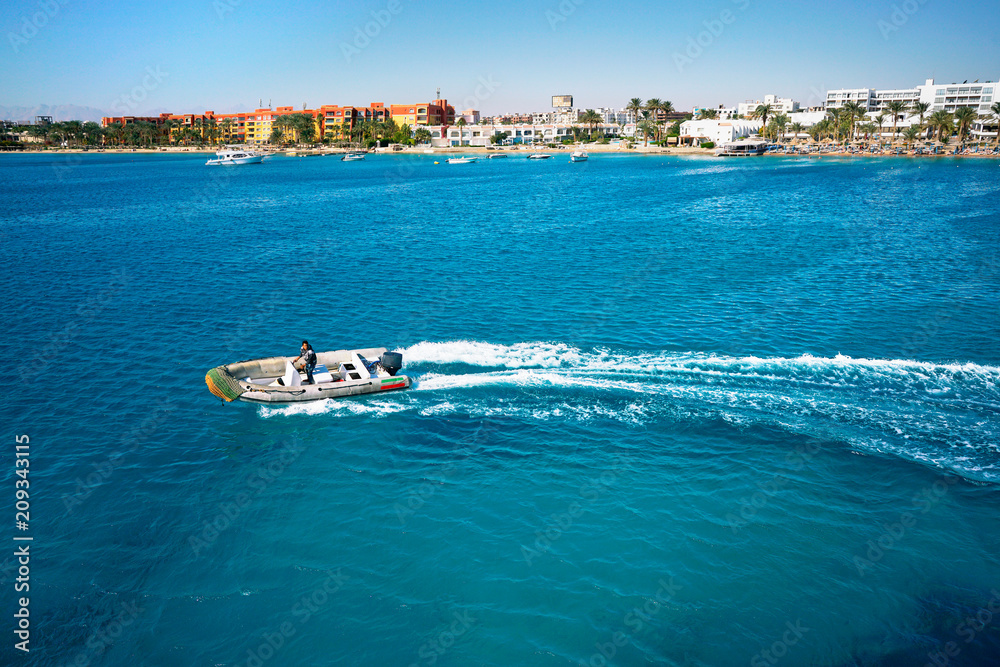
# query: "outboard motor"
{"type": "Point", "coordinates": [391, 362]}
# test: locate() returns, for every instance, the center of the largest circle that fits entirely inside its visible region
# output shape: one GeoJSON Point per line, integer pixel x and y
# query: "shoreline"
{"type": "Point", "coordinates": [481, 150]}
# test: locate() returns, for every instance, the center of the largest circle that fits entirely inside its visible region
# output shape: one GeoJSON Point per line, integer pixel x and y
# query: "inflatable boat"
{"type": "Point", "coordinates": [337, 374]}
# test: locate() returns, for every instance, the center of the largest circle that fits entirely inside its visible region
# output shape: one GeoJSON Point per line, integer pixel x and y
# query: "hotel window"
{"type": "Point", "coordinates": [987, 98]}
{"type": "Point", "coordinates": [940, 91]}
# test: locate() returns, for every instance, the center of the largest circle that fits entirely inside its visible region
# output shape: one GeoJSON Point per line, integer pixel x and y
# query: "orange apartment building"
{"type": "Point", "coordinates": [255, 127]}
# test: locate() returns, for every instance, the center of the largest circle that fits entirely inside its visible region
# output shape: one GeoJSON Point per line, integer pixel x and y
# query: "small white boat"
{"type": "Point", "coordinates": [236, 156]}
{"type": "Point", "coordinates": [337, 375]}
{"type": "Point", "coordinates": [461, 160]}
{"type": "Point", "coordinates": [498, 155]}
{"type": "Point", "coordinates": [351, 157]}
{"type": "Point", "coordinates": [539, 156]}
{"type": "Point", "coordinates": [578, 156]}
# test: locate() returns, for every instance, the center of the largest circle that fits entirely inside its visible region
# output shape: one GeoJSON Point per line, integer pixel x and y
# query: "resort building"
{"type": "Point", "coordinates": [778, 105]}
{"type": "Point", "coordinates": [721, 112]}
{"type": "Point", "coordinates": [697, 132]}
{"type": "Point", "coordinates": [946, 97]}
{"type": "Point", "coordinates": [436, 112]}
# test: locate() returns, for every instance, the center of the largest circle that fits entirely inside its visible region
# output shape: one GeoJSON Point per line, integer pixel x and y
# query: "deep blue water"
{"type": "Point", "coordinates": [668, 411]}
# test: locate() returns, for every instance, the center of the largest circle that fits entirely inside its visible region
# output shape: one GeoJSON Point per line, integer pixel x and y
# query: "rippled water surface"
{"type": "Point", "coordinates": [667, 411]}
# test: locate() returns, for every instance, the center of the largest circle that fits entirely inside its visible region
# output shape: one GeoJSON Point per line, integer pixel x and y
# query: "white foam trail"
{"type": "Point", "coordinates": [805, 367]}
{"type": "Point", "coordinates": [475, 353]}
{"type": "Point", "coordinates": [372, 408]}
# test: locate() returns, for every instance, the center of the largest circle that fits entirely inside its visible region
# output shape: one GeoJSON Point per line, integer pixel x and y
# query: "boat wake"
{"type": "Point", "coordinates": [942, 414]}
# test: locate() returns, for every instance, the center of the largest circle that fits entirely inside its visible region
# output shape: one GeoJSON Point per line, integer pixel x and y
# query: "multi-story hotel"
{"type": "Point", "coordinates": [946, 97]}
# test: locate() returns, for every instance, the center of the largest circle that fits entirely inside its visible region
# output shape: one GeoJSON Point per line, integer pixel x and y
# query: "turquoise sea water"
{"type": "Point", "coordinates": [668, 411]}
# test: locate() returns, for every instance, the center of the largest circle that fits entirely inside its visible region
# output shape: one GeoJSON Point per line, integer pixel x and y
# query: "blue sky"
{"type": "Point", "coordinates": [194, 55]}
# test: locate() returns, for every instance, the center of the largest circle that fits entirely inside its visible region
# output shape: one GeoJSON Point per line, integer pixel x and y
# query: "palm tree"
{"type": "Point", "coordinates": [943, 122]}
{"type": "Point", "coordinates": [996, 112]}
{"type": "Point", "coordinates": [911, 134]}
{"type": "Point", "coordinates": [422, 135]}
{"type": "Point", "coordinates": [880, 120]}
{"type": "Point", "coordinates": [762, 111]}
{"type": "Point", "coordinates": [667, 107]}
{"type": "Point", "coordinates": [92, 132]}
{"type": "Point", "coordinates": [780, 121]}
{"type": "Point", "coordinates": [653, 106]}
{"type": "Point", "coordinates": [896, 108]}
{"type": "Point", "coordinates": [964, 117]}
{"type": "Point", "coordinates": [647, 127]}
{"type": "Point", "coordinates": [73, 130]}
{"type": "Point", "coordinates": [920, 108]}
{"type": "Point", "coordinates": [460, 124]}
{"type": "Point", "coordinates": [635, 106]}
{"type": "Point", "coordinates": [591, 118]}
{"type": "Point", "coordinates": [116, 131]}
{"type": "Point", "coordinates": [854, 112]}
{"type": "Point", "coordinates": [796, 129]}
{"type": "Point", "coordinates": [167, 127]}
{"type": "Point", "coordinates": [708, 114]}
{"type": "Point", "coordinates": [304, 125]}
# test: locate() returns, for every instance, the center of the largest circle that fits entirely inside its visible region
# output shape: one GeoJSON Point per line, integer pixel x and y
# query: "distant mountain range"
{"type": "Point", "coordinates": [58, 112]}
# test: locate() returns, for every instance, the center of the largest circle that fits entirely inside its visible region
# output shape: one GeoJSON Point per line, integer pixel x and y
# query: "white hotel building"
{"type": "Point", "coordinates": [941, 97]}
{"type": "Point", "coordinates": [947, 97]}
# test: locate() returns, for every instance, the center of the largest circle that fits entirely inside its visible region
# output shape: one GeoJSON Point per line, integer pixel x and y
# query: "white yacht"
{"type": "Point", "coordinates": [461, 160]}
{"type": "Point", "coordinates": [236, 156]}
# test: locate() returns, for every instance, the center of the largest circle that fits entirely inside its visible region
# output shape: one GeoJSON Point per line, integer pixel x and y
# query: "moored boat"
{"type": "Point", "coordinates": [351, 157]}
{"type": "Point", "coordinates": [578, 156]}
{"type": "Point", "coordinates": [742, 148]}
{"type": "Point", "coordinates": [236, 156]}
{"type": "Point", "coordinates": [337, 374]}
{"type": "Point", "coordinates": [461, 160]}
{"type": "Point", "coordinates": [539, 156]}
